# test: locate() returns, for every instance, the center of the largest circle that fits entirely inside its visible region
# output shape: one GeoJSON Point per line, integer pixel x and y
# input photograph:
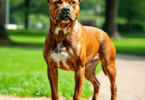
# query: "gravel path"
{"type": "Point", "coordinates": [130, 80]}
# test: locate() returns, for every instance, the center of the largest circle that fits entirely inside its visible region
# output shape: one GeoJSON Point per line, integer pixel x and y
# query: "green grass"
{"type": "Point", "coordinates": [29, 37]}
{"type": "Point", "coordinates": [133, 43]}
{"type": "Point", "coordinates": [23, 73]}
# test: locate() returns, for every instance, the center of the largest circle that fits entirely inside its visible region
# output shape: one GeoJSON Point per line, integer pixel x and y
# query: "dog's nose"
{"type": "Point", "coordinates": [65, 10]}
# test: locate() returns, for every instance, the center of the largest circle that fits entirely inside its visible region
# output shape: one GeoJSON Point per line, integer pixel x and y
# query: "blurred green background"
{"type": "Point", "coordinates": [22, 67]}
{"type": "Point", "coordinates": [131, 14]}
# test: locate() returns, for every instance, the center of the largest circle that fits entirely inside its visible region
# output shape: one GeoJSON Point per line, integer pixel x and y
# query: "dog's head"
{"type": "Point", "coordinates": [64, 11]}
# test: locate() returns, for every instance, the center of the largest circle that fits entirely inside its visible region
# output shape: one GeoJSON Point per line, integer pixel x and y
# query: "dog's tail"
{"type": "Point", "coordinates": [104, 70]}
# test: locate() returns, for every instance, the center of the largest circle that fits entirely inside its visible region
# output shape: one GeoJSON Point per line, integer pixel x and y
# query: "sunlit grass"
{"type": "Point", "coordinates": [23, 72]}
{"type": "Point", "coordinates": [131, 44]}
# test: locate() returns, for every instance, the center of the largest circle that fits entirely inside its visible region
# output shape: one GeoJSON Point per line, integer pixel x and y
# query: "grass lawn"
{"type": "Point", "coordinates": [132, 43]}
{"type": "Point", "coordinates": [23, 73]}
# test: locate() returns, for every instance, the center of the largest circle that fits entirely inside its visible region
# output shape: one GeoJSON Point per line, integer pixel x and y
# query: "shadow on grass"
{"type": "Point", "coordinates": [25, 38]}
{"type": "Point", "coordinates": [134, 35]}
{"type": "Point", "coordinates": [27, 32]}
{"type": "Point", "coordinates": [23, 35]}
{"type": "Point", "coordinates": [140, 51]}
{"type": "Point", "coordinates": [12, 43]}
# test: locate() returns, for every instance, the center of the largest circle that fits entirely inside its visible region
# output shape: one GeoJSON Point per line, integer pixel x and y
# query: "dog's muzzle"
{"type": "Point", "coordinates": [65, 12]}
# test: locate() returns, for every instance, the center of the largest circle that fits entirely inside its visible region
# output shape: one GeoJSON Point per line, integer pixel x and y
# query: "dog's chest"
{"type": "Point", "coordinates": [60, 56]}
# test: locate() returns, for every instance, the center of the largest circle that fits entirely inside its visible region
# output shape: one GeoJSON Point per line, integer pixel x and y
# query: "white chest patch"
{"type": "Point", "coordinates": [60, 56]}
{"type": "Point", "coordinates": [57, 57]}
{"type": "Point", "coordinates": [57, 29]}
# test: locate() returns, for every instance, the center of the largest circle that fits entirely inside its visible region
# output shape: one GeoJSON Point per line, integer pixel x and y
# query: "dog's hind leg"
{"type": "Point", "coordinates": [108, 57]}
{"type": "Point", "coordinates": [90, 75]}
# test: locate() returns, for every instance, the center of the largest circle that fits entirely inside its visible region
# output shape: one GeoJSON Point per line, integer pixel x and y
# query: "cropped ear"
{"type": "Point", "coordinates": [80, 0]}
{"type": "Point", "coordinates": [48, 1]}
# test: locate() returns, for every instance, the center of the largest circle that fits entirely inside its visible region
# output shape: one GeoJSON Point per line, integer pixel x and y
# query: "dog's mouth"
{"type": "Point", "coordinates": [65, 19]}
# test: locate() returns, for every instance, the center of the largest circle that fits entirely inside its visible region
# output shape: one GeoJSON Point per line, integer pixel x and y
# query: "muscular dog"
{"type": "Point", "coordinates": [73, 47]}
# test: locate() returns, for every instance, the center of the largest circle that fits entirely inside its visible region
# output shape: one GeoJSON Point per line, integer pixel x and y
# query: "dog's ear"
{"type": "Point", "coordinates": [80, 0]}
{"type": "Point", "coordinates": [48, 1]}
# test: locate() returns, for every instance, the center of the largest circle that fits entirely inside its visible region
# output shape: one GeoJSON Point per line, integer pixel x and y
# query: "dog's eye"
{"type": "Point", "coordinates": [73, 3]}
{"type": "Point", "coordinates": [57, 3]}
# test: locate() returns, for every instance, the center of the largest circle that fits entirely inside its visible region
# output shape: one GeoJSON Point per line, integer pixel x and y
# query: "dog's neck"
{"type": "Point", "coordinates": [60, 31]}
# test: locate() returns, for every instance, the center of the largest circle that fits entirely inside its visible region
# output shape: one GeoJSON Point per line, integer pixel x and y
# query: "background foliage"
{"type": "Point", "coordinates": [131, 14]}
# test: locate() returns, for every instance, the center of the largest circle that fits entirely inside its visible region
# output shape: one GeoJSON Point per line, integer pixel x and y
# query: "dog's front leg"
{"type": "Point", "coordinates": [79, 78]}
{"type": "Point", "coordinates": [53, 79]}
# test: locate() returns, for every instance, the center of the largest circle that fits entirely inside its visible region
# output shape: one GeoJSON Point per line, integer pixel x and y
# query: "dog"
{"type": "Point", "coordinates": [73, 47]}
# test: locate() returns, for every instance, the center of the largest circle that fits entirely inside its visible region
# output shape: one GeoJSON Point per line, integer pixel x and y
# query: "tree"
{"type": "Point", "coordinates": [26, 13]}
{"type": "Point", "coordinates": [20, 14]}
{"type": "Point", "coordinates": [3, 35]}
{"type": "Point", "coordinates": [41, 6]}
{"type": "Point", "coordinates": [131, 9]}
{"type": "Point", "coordinates": [85, 4]}
{"type": "Point", "coordinates": [110, 26]}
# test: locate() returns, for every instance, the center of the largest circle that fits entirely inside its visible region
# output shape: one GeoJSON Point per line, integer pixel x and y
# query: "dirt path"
{"type": "Point", "coordinates": [130, 80]}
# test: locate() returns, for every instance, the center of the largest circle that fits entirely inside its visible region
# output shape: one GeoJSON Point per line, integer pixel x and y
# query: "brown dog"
{"type": "Point", "coordinates": [70, 46]}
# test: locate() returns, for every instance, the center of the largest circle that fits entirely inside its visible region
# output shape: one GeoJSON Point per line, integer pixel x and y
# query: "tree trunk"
{"type": "Point", "coordinates": [110, 26]}
{"type": "Point", "coordinates": [3, 35]}
{"type": "Point", "coordinates": [129, 24]}
{"type": "Point", "coordinates": [26, 13]}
